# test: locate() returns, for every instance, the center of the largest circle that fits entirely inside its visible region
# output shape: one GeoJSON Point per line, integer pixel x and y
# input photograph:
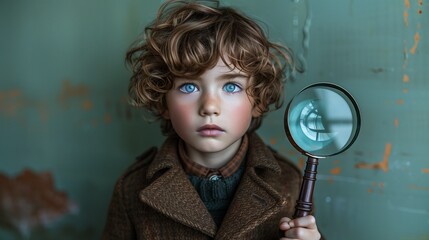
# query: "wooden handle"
{"type": "Point", "coordinates": [304, 204]}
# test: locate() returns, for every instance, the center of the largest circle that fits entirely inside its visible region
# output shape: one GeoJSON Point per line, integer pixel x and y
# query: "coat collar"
{"type": "Point", "coordinates": [173, 195]}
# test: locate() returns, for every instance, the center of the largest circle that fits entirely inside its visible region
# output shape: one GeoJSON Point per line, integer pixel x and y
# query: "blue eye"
{"type": "Point", "coordinates": [231, 88]}
{"type": "Point", "coordinates": [188, 88]}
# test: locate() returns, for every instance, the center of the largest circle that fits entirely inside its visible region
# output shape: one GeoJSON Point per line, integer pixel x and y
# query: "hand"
{"type": "Point", "coordinates": [303, 228]}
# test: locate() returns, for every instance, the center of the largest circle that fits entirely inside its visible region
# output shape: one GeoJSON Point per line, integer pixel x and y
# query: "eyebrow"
{"type": "Point", "coordinates": [223, 77]}
{"type": "Point", "coordinates": [229, 76]}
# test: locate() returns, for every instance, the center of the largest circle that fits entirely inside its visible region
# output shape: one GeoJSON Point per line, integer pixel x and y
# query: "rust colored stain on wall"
{"type": "Point", "coordinates": [336, 171]}
{"type": "Point", "coordinates": [416, 43]}
{"type": "Point", "coordinates": [383, 165]}
{"type": "Point", "coordinates": [376, 188]}
{"type": "Point", "coordinates": [11, 102]}
{"type": "Point", "coordinates": [68, 92]}
{"type": "Point", "coordinates": [30, 200]}
{"type": "Point", "coordinates": [407, 6]}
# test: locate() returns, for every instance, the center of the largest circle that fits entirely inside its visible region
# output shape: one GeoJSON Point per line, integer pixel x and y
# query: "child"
{"type": "Point", "coordinates": [209, 74]}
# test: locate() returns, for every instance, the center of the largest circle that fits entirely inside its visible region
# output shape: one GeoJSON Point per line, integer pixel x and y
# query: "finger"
{"type": "Point", "coordinates": [284, 224]}
{"type": "Point", "coordinates": [298, 233]}
{"type": "Point", "coordinates": [306, 222]}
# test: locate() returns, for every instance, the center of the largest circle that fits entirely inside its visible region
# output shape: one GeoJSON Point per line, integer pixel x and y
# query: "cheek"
{"type": "Point", "coordinates": [241, 110]}
{"type": "Point", "coordinates": [180, 115]}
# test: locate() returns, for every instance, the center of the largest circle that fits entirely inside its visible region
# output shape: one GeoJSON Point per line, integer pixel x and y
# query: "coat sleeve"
{"type": "Point", "coordinates": [118, 224]}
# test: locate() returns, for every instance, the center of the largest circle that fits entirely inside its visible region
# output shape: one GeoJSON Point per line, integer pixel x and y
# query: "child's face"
{"type": "Point", "coordinates": [212, 112]}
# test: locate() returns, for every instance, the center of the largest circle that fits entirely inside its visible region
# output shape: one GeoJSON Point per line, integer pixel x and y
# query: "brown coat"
{"type": "Point", "coordinates": [155, 200]}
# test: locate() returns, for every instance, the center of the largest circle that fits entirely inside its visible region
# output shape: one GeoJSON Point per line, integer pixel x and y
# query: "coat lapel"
{"type": "Point", "coordinates": [255, 199]}
{"type": "Point", "coordinates": [173, 195]}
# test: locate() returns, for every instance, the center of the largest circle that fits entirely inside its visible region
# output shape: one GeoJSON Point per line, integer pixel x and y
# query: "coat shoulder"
{"type": "Point", "coordinates": [286, 164]}
{"type": "Point", "coordinates": [139, 167]}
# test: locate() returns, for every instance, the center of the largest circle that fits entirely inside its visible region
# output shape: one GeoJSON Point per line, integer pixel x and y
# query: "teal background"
{"type": "Point", "coordinates": [63, 110]}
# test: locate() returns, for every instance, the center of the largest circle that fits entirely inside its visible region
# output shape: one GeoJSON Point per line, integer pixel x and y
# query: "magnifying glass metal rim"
{"type": "Point", "coordinates": [353, 102]}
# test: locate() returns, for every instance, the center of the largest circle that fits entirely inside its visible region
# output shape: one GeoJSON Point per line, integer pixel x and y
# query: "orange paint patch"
{"type": "Point", "coordinates": [416, 43]}
{"type": "Point", "coordinates": [425, 170]}
{"type": "Point", "coordinates": [407, 3]}
{"type": "Point", "coordinates": [87, 105]}
{"type": "Point", "coordinates": [396, 122]}
{"type": "Point", "coordinates": [405, 78]}
{"type": "Point", "coordinates": [273, 141]}
{"type": "Point", "coordinates": [11, 102]}
{"type": "Point", "coordinates": [406, 18]}
{"type": "Point", "coordinates": [30, 199]}
{"type": "Point", "coordinates": [14, 101]}
{"type": "Point", "coordinates": [383, 165]}
{"type": "Point", "coordinates": [400, 101]}
{"type": "Point", "coordinates": [336, 171]}
{"type": "Point", "coordinates": [68, 91]}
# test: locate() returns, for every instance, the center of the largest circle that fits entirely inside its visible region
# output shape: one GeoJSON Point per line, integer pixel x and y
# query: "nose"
{"type": "Point", "coordinates": [209, 104]}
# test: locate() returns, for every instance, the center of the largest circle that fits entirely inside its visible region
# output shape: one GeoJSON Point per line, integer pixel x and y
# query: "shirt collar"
{"type": "Point", "coordinates": [192, 168]}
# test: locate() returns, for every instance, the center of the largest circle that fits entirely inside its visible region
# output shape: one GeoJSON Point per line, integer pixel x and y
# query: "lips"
{"type": "Point", "coordinates": [210, 130]}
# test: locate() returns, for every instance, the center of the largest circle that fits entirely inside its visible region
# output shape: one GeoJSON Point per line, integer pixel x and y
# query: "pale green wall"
{"type": "Point", "coordinates": [377, 49]}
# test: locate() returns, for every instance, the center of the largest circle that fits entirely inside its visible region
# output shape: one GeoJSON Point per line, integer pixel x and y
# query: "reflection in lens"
{"type": "Point", "coordinates": [311, 123]}
{"type": "Point", "coordinates": [322, 121]}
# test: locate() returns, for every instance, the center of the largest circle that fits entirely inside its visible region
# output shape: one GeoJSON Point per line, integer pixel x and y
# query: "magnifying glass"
{"type": "Point", "coordinates": [322, 120]}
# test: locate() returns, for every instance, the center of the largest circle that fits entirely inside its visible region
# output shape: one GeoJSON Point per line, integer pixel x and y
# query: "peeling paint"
{"type": "Point", "coordinates": [378, 188]}
{"type": "Point", "coordinates": [405, 78]}
{"type": "Point", "coordinates": [336, 171]}
{"type": "Point", "coordinates": [407, 3]}
{"type": "Point", "coordinates": [30, 200]}
{"type": "Point", "coordinates": [425, 170]}
{"type": "Point", "coordinates": [400, 101]}
{"type": "Point", "coordinates": [420, 11]}
{"type": "Point", "coordinates": [406, 18]}
{"type": "Point", "coordinates": [87, 105]}
{"type": "Point", "coordinates": [416, 43]}
{"type": "Point", "coordinates": [407, 6]}
{"type": "Point", "coordinates": [396, 122]}
{"type": "Point", "coordinates": [68, 91]}
{"type": "Point", "coordinates": [383, 165]}
{"type": "Point", "coordinates": [11, 101]}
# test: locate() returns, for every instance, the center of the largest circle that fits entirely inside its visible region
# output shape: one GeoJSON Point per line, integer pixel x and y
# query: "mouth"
{"type": "Point", "coordinates": [210, 130]}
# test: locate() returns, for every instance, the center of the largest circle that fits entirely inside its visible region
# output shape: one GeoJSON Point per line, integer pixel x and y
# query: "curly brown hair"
{"type": "Point", "coordinates": [187, 38]}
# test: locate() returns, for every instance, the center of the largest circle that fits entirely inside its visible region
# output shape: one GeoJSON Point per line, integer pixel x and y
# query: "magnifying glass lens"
{"type": "Point", "coordinates": [322, 120]}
